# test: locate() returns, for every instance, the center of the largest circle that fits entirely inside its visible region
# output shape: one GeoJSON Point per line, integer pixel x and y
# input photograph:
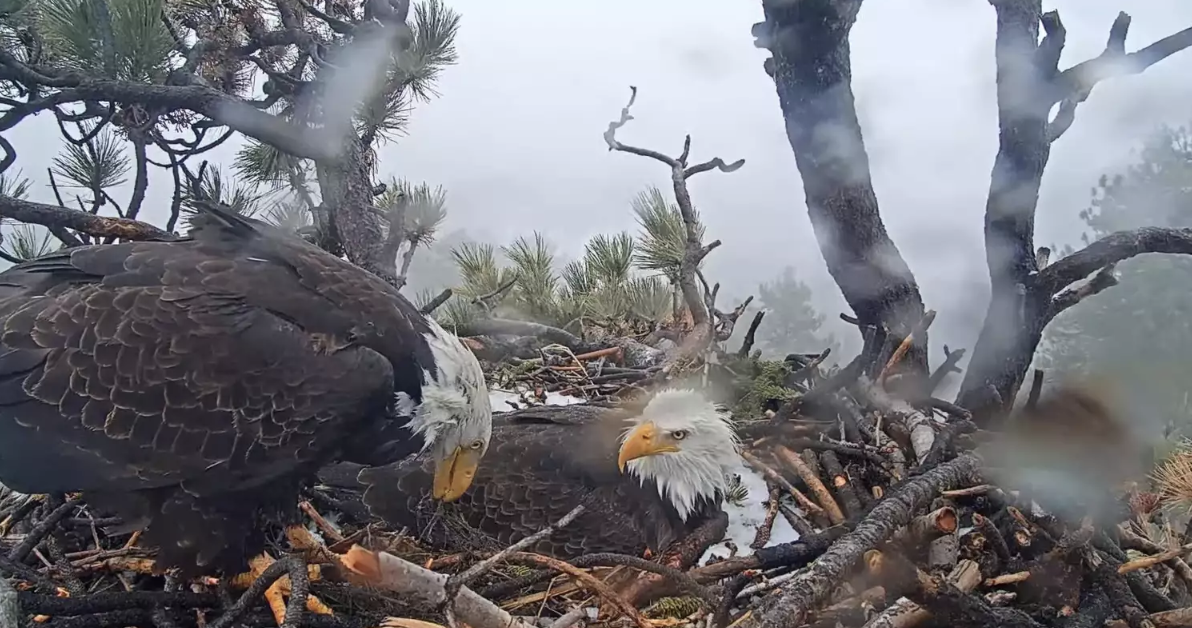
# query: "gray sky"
{"type": "Point", "coordinates": [516, 136]}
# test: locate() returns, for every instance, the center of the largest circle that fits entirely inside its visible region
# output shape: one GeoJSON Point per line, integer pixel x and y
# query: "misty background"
{"type": "Point", "coordinates": [515, 136]}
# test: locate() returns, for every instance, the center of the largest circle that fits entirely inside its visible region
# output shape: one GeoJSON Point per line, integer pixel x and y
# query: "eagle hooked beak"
{"type": "Point", "coordinates": [454, 474]}
{"type": "Point", "coordinates": [644, 440]}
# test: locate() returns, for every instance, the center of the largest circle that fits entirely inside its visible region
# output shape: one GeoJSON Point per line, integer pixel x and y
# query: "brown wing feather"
{"type": "Point", "coordinates": [192, 386]}
{"type": "Point", "coordinates": [155, 378]}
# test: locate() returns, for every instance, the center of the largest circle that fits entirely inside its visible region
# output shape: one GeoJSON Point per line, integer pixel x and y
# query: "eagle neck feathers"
{"type": "Point", "coordinates": [452, 387]}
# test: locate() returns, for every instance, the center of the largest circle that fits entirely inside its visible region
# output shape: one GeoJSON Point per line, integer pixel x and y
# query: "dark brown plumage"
{"type": "Point", "coordinates": [542, 462]}
{"type": "Point", "coordinates": [192, 386]}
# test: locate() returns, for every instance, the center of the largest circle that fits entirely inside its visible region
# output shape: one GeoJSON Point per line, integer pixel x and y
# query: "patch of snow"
{"type": "Point", "coordinates": [744, 520]}
{"type": "Point", "coordinates": [499, 397]}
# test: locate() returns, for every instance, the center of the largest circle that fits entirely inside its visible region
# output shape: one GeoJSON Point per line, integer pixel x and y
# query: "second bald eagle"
{"type": "Point", "coordinates": [646, 480]}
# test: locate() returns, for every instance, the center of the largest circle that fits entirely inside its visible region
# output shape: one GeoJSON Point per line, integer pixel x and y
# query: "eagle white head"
{"type": "Point", "coordinates": [455, 417]}
{"type": "Point", "coordinates": [685, 445]}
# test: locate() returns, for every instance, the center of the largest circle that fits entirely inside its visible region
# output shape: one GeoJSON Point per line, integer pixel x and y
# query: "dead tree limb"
{"type": "Point", "coordinates": [812, 72]}
{"type": "Point", "coordinates": [55, 217]}
{"type": "Point", "coordinates": [751, 334]}
{"type": "Point", "coordinates": [1023, 295]}
{"type": "Point", "coordinates": [695, 251]}
{"type": "Point", "coordinates": [388, 572]}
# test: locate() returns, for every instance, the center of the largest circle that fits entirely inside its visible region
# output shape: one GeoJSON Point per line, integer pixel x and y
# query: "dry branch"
{"type": "Point", "coordinates": [813, 482]}
{"type": "Point", "coordinates": [694, 250]}
{"type": "Point", "coordinates": [10, 608]}
{"type": "Point", "coordinates": [388, 572]}
{"type": "Point", "coordinates": [791, 605]}
{"type": "Point", "coordinates": [52, 216]}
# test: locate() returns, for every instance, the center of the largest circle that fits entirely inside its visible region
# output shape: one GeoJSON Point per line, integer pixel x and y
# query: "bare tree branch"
{"type": "Point", "coordinates": [716, 163]}
{"type": "Point", "coordinates": [226, 110]}
{"type": "Point", "coordinates": [610, 135]}
{"type": "Point", "coordinates": [438, 301]}
{"type": "Point", "coordinates": [81, 221]}
{"type": "Point", "coordinates": [1111, 249]}
{"type": "Point", "coordinates": [1080, 79]}
{"type": "Point", "coordinates": [694, 251]}
{"type": "Point", "coordinates": [1104, 279]}
{"type": "Point", "coordinates": [388, 572]}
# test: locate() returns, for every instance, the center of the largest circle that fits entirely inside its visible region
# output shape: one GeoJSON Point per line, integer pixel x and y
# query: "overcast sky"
{"type": "Point", "coordinates": [516, 136]}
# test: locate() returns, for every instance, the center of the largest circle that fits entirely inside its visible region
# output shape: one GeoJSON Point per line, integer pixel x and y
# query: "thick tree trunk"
{"type": "Point", "coordinates": [813, 75]}
{"type": "Point", "coordinates": [1024, 297]}
{"type": "Point", "coordinates": [1015, 318]}
{"type": "Point", "coordinates": [347, 188]}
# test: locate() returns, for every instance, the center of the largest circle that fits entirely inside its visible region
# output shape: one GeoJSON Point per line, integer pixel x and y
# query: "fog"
{"type": "Point", "coordinates": [515, 137]}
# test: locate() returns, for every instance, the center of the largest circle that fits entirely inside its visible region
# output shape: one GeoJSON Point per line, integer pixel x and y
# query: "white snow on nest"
{"type": "Point", "coordinates": [499, 397]}
{"type": "Point", "coordinates": [743, 520]}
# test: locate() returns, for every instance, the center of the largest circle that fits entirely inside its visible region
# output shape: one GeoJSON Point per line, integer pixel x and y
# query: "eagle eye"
{"type": "Point", "coordinates": [679, 434]}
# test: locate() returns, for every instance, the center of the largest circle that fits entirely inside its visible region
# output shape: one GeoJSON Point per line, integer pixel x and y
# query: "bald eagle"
{"type": "Point", "coordinates": [192, 387]}
{"type": "Point", "coordinates": [646, 480]}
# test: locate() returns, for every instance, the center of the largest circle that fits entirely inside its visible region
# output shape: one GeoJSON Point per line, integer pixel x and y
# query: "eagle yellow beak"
{"type": "Point", "coordinates": [641, 442]}
{"type": "Point", "coordinates": [454, 474]}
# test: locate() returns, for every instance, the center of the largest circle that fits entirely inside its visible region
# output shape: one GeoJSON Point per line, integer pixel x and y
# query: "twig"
{"type": "Point", "coordinates": [905, 345]}
{"type": "Point", "coordinates": [41, 530]}
{"type": "Point", "coordinates": [480, 568]}
{"type": "Point", "coordinates": [762, 536]}
{"type": "Point", "coordinates": [841, 483]}
{"type": "Point", "coordinates": [587, 580]}
{"type": "Point", "coordinates": [804, 502]}
{"type": "Point", "coordinates": [1151, 561]}
{"type": "Point", "coordinates": [291, 565]}
{"type": "Point", "coordinates": [324, 526]}
{"type": "Point", "coordinates": [951, 359]}
{"type": "Point", "coordinates": [439, 300]}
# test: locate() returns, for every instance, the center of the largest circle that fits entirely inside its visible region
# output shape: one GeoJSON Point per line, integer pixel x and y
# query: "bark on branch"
{"type": "Point", "coordinates": [232, 112]}
{"type": "Point", "coordinates": [388, 572]}
{"type": "Point", "coordinates": [54, 217]}
{"type": "Point", "coordinates": [1112, 249]}
{"type": "Point", "coordinates": [790, 607]}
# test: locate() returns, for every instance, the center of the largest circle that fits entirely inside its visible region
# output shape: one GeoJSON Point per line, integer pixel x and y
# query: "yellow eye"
{"type": "Point", "coordinates": [679, 434]}
{"type": "Point", "coordinates": [476, 444]}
